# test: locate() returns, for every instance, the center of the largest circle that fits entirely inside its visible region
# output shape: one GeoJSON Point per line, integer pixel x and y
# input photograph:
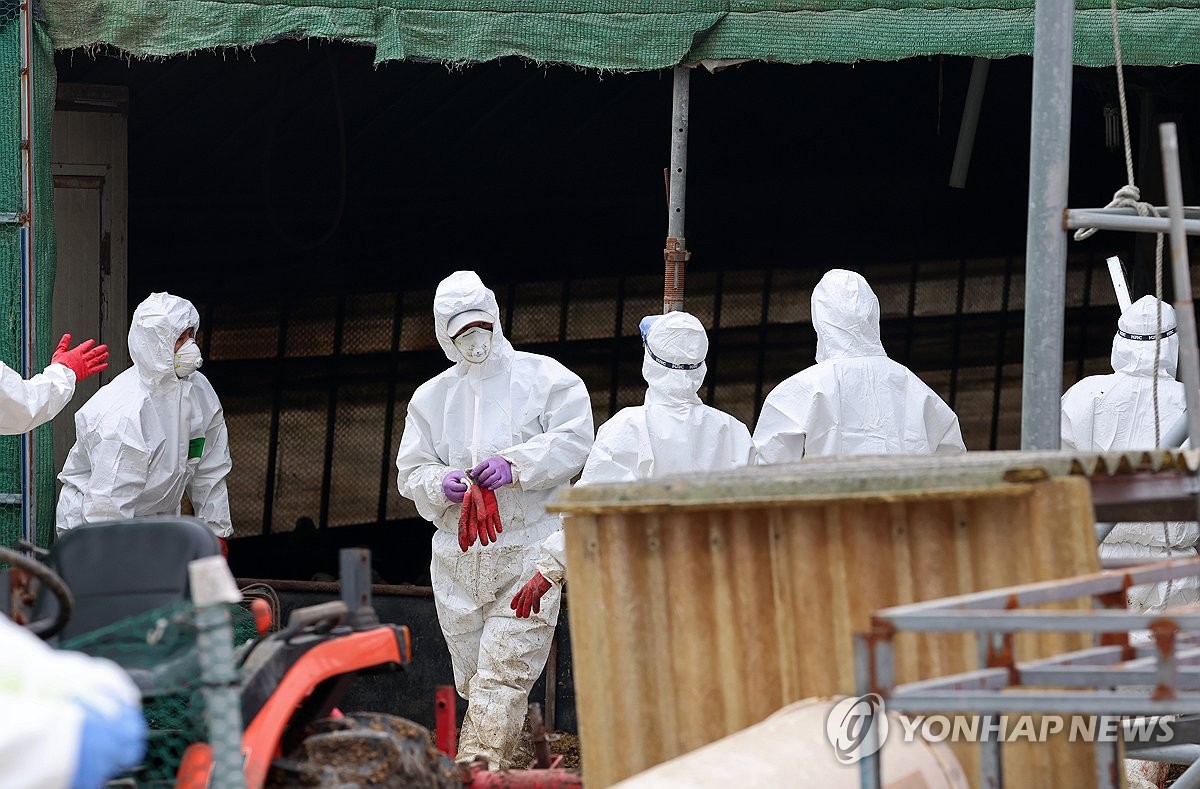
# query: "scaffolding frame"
{"type": "Point", "coordinates": [1049, 219]}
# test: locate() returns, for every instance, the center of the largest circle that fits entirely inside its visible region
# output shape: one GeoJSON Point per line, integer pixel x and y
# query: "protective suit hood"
{"type": "Point", "coordinates": [673, 364]}
{"type": "Point", "coordinates": [157, 323]}
{"type": "Point", "coordinates": [845, 316]}
{"type": "Point", "coordinates": [1136, 356]}
{"type": "Point", "coordinates": [460, 292]}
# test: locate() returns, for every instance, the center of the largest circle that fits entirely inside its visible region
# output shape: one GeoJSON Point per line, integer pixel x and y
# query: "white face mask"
{"type": "Point", "coordinates": [474, 344]}
{"type": "Point", "coordinates": [188, 359]}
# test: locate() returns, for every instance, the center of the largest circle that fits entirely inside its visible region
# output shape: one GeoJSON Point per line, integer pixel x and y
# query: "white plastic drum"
{"type": "Point", "coordinates": [791, 748]}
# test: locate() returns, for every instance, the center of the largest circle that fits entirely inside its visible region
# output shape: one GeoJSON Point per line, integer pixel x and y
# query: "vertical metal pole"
{"type": "Point", "coordinates": [675, 254]}
{"type": "Point", "coordinates": [991, 761]}
{"type": "Point", "coordinates": [28, 268]}
{"type": "Point", "coordinates": [970, 122]}
{"type": "Point", "coordinates": [339, 333]}
{"type": "Point", "coordinates": [222, 698]}
{"type": "Point", "coordinates": [387, 471]}
{"type": "Point", "coordinates": [276, 408]}
{"type": "Point", "coordinates": [1185, 314]}
{"type": "Point", "coordinates": [870, 767]}
{"type": "Point", "coordinates": [1046, 239]}
{"type": "Point", "coordinates": [354, 573]}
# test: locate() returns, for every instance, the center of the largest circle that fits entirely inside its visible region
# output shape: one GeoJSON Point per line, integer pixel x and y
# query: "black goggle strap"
{"type": "Point", "coordinates": [670, 365]}
{"type": "Point", "coordinates": [1146, 337]}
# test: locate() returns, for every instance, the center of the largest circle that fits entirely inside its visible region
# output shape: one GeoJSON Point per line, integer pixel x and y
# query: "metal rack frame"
{"type": "Point", "coordinates": [1112, 678]}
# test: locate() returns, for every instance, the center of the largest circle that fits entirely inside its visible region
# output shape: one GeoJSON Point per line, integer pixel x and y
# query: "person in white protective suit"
{"type": "Point", "coordinates": [26, 404]}
{"type": "Point", "coordinates": [156, 431]}
{"type": "Point", "coordinates": [69, 720]}
{"type": "Point", "coordinates": [672, 432]}
{"type": "Point", "coordinates": [854, 400]}
{"type": "Point", "coordinates": [521, 425]}
{"type": "Point", "coordinates": [1108, 413]}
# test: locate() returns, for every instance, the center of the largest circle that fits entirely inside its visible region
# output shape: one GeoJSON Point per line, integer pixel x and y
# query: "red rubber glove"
{"type": "Point", "coordinates": [479, 514]}
{"type": "Point", "coordinates": [83, 359]}
{"type": "Point", "coordinates": [530, 596]}
{"type": "Point", "coordinates": [468, 526]}
{"type": "Point", "coordinates": [488, 516]}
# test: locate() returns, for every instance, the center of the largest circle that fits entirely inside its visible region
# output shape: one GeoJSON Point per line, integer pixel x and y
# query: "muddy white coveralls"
{"type": "Point", "coordinates": [1109, 413]}
{"type": "Point", "coordinates": [854, 400]}
{"type": "Point", "coordinates": [672, 432]}
{"type": "Point", "coordinates": [537, 415]}
{"type": "Point", "coordinates": [148, 436]}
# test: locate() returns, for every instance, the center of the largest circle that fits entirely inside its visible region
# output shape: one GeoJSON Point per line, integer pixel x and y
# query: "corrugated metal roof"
{"type": "Point", "coordinates": [881, 478]}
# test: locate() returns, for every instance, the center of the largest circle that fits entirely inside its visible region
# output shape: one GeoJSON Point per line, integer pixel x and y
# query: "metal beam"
{"type": "Point", "coordinates": [1100, 219]}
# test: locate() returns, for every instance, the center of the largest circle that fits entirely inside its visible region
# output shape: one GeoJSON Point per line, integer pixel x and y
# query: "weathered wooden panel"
{"type": "Point", "coordinates": [692, 622]}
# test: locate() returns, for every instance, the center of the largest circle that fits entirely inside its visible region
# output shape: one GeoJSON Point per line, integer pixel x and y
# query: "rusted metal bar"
{"type": "Point", "coordinates": [551, 683]}
{"type": "Point", "coordinates": [541, 743]}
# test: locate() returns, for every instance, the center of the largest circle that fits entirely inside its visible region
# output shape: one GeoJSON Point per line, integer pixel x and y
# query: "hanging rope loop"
{"type": "Point", "coordinates": [1128, 196]}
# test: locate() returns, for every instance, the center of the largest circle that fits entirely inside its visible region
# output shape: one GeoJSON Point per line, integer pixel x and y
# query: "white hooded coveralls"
{"type": "Point", "coordinates": [535, 413]}
{"type": "Point", "coordinates": [1110, 413]}
{"type": "Point", "coordinates": [672, 432]}
{"type": "Point", "coordinates": [42, 722]}
{"type": "Point", "coordinates": [148, 436]}
{"type": "Point", "coordinates": [26, 404]}
{"type": "Point", "coordinates": [854, 400]}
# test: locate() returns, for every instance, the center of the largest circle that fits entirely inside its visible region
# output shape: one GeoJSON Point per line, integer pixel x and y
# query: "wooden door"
{"type": "Point", "coordinates": [90, 168]}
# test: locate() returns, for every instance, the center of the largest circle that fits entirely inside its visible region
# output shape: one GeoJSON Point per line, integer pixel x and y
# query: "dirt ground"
{"type": "Point", "coordinates": [562, 743]}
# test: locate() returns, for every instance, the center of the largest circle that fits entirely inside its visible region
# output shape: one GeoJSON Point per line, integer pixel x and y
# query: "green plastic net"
{"type": "Point", "coordinates": [159, 651]}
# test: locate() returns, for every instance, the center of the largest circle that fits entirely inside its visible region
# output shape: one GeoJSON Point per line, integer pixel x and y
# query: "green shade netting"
{"type": "Point", "coordinates": [627, 35]}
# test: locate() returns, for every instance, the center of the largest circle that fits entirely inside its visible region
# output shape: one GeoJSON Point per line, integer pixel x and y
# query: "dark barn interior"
{"type": "Point", "coordinates": [308, 202]}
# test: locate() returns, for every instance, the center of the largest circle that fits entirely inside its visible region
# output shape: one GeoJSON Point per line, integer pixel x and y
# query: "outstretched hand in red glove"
{"type": "Point", "coordinates": [530, 596]}
{"type": "Point", "coordinates": [84, 360]}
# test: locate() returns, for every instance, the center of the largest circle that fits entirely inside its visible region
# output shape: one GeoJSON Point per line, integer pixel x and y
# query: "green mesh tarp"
{"type": "Point", "coordinates": [10, 258]}
{"type": "Point", "coordinates": [630, 35]}
{"type": "Point", "coordinates": [159, 651]}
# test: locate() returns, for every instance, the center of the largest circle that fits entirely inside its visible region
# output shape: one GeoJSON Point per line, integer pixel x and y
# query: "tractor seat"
{"type": "Point", "coordinates": [118, 569]}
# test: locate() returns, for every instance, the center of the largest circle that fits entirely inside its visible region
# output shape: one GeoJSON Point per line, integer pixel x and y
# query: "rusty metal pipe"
{"type": "Point", "coordinates": [675, 254]}
{"type": "Point", "coordinates": [481, 778]}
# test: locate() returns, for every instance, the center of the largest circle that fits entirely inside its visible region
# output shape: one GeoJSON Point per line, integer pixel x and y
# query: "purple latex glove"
{"type": "Point", "coordinates": [453, 486]}
{"type": "Point", "coordinates": [495, 472]}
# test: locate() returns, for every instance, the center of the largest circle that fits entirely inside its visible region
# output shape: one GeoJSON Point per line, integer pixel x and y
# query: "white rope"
{"type": "Point", "coordinates": [1129, 196]}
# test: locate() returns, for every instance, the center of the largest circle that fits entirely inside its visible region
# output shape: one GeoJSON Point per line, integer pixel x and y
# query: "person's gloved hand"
{"type": "Point", "coordinates": [83, 359]}
{"type": "Point", "coordinates": [454, 487]}
{"type": "Point", "coordinates": [495, 472]}
{"type": "Point", "coordinates": [530, 596]}
{"type": "Point", "coordinates": [111, 741]}
{"type": "Point", "coordinates": [647, 322]}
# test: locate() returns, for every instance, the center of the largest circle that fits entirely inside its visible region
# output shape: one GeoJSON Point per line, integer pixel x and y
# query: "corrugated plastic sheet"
{"type": "Point", "coordinates": [879, 479]}
{"type": "Point", "coordinates": [628, 35]}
